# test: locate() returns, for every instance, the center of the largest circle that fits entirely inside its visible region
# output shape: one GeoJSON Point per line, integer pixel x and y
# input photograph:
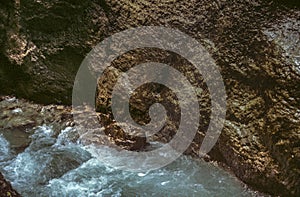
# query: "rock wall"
{"type": "Point", "coordinates": [43, 43]}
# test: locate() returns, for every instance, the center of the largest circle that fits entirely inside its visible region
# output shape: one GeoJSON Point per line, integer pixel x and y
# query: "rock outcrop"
{"type": "Point", "coordinates": [5, 188]}
{"type": "Point", "coordinates": [43, 44]}
{"type": "Point", "coordinates": [19, 118]}
{"type": "Point", "coordinates": [255, 44]}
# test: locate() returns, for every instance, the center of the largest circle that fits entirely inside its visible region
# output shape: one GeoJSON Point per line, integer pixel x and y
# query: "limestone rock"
{"type": "Point", "coordinates": [255, 44]}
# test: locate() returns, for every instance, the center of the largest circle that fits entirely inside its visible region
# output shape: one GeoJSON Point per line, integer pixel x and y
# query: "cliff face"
{"type": "Point", "coordinates": [255, 44]}
{"type": "Point", "coordinates": [43, 44]}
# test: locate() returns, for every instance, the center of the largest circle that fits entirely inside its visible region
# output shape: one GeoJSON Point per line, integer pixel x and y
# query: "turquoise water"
{"type": "Point", "coordinates": [54, 166]}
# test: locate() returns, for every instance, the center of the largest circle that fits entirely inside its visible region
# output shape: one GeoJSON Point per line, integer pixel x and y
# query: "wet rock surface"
{"type": "Point", "coordinates": [19, 118]}
{"type": "Point", "coordinates": [6, 189]}
{"type": "Point", "coordinates": [255, 44]}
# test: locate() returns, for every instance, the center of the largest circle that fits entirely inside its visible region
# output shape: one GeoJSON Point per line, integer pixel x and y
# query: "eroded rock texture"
{"type": "Point", "coordinates": [6, 189]}
{"type": "Point", "coordinates": [255, 44]}
{"type": "Point", "coordinates": [43, 44]}
{"type": "Point", "coordinates": [19, 118]}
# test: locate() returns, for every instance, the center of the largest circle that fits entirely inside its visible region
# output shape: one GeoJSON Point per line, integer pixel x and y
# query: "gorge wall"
{"type": "Point", "coordinates": [255, 44]}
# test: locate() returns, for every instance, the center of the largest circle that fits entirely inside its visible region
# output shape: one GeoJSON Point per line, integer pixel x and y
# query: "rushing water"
{"type": "Point", "coordinates": [54, 166]}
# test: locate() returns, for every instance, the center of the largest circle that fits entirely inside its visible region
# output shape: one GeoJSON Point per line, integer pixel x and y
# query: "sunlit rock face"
{"type": "Point", "coordinates": [255, 44]}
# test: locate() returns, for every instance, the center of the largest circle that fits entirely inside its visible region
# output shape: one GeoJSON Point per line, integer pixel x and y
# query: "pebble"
{"type": "Point", "coordinates": [17, 111]}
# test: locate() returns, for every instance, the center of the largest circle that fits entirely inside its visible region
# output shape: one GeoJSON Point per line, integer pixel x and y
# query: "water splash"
{"type": "Point", "coordinates": [56, 166]}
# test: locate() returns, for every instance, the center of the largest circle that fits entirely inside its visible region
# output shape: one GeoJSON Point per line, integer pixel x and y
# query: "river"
{"type": "Point", "coordinates": [55, 166]}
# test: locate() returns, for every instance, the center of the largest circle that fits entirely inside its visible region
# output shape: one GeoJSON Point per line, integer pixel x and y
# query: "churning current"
{"type": "Point", "coordinates": [56, 166]}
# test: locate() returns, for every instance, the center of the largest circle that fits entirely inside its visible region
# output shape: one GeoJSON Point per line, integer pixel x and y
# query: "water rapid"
{"type": "Point", "coordinates": [56, 166]}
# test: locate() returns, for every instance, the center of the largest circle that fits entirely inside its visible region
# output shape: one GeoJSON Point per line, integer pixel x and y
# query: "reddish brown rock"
{"type": "Point", "coordinates": [254, 42]}
{"type": "Point", "coordinates": [6, 190]}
